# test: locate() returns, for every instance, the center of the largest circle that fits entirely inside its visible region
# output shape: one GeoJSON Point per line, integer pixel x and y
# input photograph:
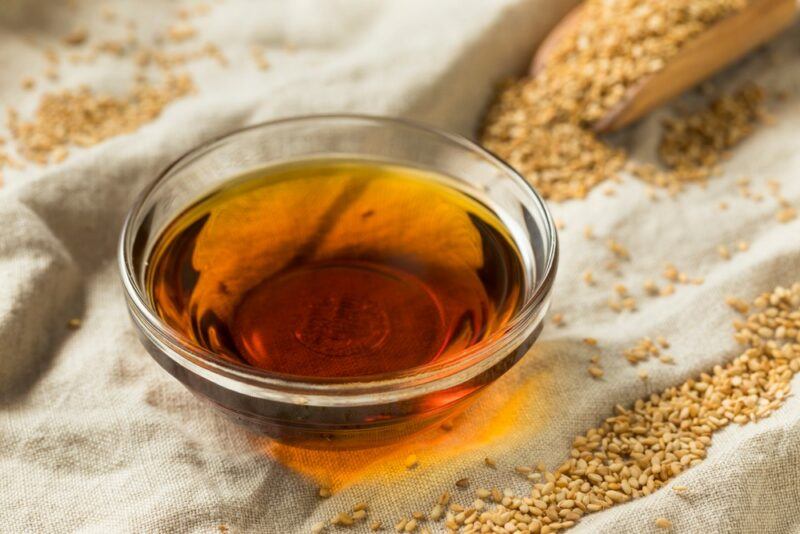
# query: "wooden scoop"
{"type": "Point", "coordinates": [719, 45]}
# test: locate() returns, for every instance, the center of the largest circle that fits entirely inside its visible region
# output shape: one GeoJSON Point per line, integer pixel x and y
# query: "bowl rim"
{"type": "Point", "coordinates": [330, 391]}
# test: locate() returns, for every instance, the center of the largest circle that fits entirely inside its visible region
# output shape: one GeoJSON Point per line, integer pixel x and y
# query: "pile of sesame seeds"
{"type": "Point", "coordinates": [640, 448]}
{"type": "Point", "coordinates": [83, 119]}
{"type": "Point", "coordinates": [695, 143]}
{"type": "Point", "coordinates": [542, 124]}
{"type": "Point", "coordinates": [81, 116]}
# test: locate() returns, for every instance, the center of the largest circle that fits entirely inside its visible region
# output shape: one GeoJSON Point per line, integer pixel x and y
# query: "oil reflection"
{"type": "Point", "coordinates": [491, 419]}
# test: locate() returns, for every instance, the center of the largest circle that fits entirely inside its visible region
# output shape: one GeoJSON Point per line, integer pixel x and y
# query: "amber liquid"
{"type": "Point", "coordinates": [336, 268]}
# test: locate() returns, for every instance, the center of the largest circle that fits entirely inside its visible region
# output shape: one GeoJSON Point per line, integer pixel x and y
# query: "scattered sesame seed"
{"type": "Point", "coordinates": [596, 372]}
{"type": "Point", "coordinates": [76, 37]}
{"type": "Point", "coordinates": [260, 58]}
{"type": "Point", "coordinates": [588, 278]}
{"type": "Point", "coordinates": [737, 304]}
{"type": "Point", "coordinates": [617, 249]}
{"type": "Point", "coordinates": [343, 518]}
{"type": "Point", "coordinates": [74, 323]}
{"type": "Point", "coordinates": [490, 462]}
{"type": "Point", "coordinates": [324, 492]}
{"type": "Point", "coordinates": [670, 272]}
{"type": "Point", "coordinates": [180, 32]}
{"type": "Point", "coordinates": [592, 342]}
{"type": "Point", "coordinates": [651, 288]}
{"type": "Point", "coordinates": [786, 215]}
{"type": "Point", "coordinates": [723, 252]}
{"type": "Point", "coordinates": [558, 319]}
{"type": "Point", "coordinates": [667, 290]}
{"type": "Point", "coordinates": [663, 522]}
{"type": "Point", "coordinates": [462, 483]}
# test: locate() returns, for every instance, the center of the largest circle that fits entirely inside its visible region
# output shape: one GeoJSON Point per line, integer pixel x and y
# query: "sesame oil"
{"type": "Point", "coordinates": [332, 269]}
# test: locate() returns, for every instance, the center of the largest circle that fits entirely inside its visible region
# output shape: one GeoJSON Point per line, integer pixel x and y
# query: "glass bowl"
{"type": "Point", "coordinates": [331, 412]}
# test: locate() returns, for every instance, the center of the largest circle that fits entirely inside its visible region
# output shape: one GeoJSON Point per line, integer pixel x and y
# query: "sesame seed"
{"type": "Point", "coordinates": [667, 290]}
{"type": "Point", "coordinates": [670, 272]}
{"type": "Point", "coordinates": [617, 249]}
{"type": "Point", "coordinates": [76, 37]}
{"type": "Point", "coordinates": [595, 372]}
{"type": "Point", "coordinates": [462, 483]}
{"type": "Point", "coordinates": [411, 461]}
{"type": "Point", "coordinates": [651, 288]}
{"type": "Point", "coordinates": [490, 462]}
{"type": "Point", "coordinates": [663, 522]}
{"type": "Point", "coordinates": [343, 518]}
{"type": "Point", "coordinates": [786, 215]}
{"type": "Point", "coordinates": [737, 304]}
{"type": "Point", "coordinates": [259, 58]}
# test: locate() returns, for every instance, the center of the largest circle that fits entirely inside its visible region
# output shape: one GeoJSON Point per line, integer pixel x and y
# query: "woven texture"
{"type": "Point", "coordinates": [95, 437]}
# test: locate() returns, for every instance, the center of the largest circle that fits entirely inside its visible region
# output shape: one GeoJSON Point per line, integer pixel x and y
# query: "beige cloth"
{"type": "Point", "coordinates": [95, 437]}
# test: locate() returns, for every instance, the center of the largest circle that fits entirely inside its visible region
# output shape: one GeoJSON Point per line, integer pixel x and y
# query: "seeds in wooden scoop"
{"type": "Point", "coordinates": [541, 125]}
